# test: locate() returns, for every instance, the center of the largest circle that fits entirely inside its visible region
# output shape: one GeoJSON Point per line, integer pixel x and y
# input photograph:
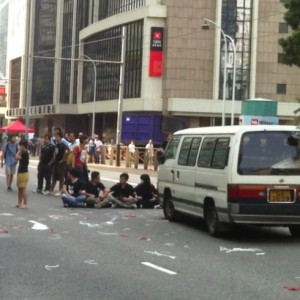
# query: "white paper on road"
{"type": "Point", "coordinates": [49, 268]}
{"type": "Point", "coordinates": [256, 250]}
{"type": "Point", "coordinates": [38, 226]}
{"type": "Point", "coordinates": [159, 268]}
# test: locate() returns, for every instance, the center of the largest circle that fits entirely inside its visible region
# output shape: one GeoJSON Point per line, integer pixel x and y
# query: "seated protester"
{"type": "Point", "coordinates": [146, 193]}
{"type": "Point", "coordinates": [96, 192]}
{"type": "Point", "coordinates": [122, 194]}
{"type": "Point", "coordinates": [72, 188]}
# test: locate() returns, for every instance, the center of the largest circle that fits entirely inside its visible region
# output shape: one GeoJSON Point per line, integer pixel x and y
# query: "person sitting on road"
{"type": "Point", "coordinates": [96, 192]}
{"type": "Point", "coordinates": [122, 194]}
{"type": "Point", "coordinates": [146, 193]}
{"type": "Point", "coordinates": [72, 188]}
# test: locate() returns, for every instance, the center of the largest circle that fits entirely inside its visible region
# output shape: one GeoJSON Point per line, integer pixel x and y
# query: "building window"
{"type": "Point", "coordinates": [280, 58]}
{"type": "Point", "coordinates": [284, 1]}
{"type": "Point", "coordinates": [106, 45]}
{"type": "Point", "coordinates": [108, 8]}
{"type": "Point", "coordinates": [283, 28]}
{"type": "Point", "coordinates": [281, 89]}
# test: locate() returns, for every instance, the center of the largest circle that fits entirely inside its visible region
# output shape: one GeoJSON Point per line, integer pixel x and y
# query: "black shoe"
{"type": "Point", "coordinates": [9, 189]}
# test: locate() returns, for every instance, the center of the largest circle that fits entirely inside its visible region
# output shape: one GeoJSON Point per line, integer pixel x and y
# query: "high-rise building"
{"type": "Point", "coordinates": [173, 66]}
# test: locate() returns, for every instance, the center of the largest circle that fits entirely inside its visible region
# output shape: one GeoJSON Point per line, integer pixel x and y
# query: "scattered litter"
{"type": "Point", "coordinates": [49, 268]}
{"type": "Point", "coordinates": [91, 262]}
{"type": "Point", "coordinates": [187, 247]}
{"type": "Point", "coordinates": [59, 217]}
{"type": "Point", "coordinates": [226, 250]}
{"type": "Point", "coordinates": [91, 225]}
{"type": "Point", "coordinates": [130, 215]}
{"type": "Point", "coordinates": [170, 244]}
{"type": "Point", "coordinates": [38, 226]}
{"type": "Point", "coordinates": [126, 229]}
{"type": "Point", "coordinates": [160, 254]}
{"type": "Point", "coordinates": [74, 214]}
{"type": "Point", "coordinates": [143, 238]}
{"type": "Point", "coordinates": [122, 235]}
{"type": "Point", "coordinates": [6, 214]}
{"type": "Point", "coordinates": [108, 233]}
{"type": "Point", "coordinates": [111, 222]}
{"type": "Point", "coordinates": [292, 288]}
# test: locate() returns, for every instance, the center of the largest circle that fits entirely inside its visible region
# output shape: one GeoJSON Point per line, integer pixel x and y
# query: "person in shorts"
{"type": "Point", "coordinates": [9, 152]}
{"type": "Point", "coordinates": [23, 175]}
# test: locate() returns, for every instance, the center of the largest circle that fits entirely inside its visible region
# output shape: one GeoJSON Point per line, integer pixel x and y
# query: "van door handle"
{"type": "Point", "coordinates": [172, 172]}
{"type": "Point", "coordinates": [177, 174]}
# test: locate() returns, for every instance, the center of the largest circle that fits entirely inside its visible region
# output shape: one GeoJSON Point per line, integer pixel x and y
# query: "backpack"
{"type": "Point", "coordinates": [70, 159]}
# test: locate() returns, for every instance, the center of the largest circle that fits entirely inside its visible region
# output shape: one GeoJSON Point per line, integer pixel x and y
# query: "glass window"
{"type": "Point", "coordinates": [283, 28]}
{"type": "Point", "coordinates": [188, 151]}
{"type": "Point", "coordinates": [219, 160]}
{"type": "Point", "coordinates": [269, 153]}
{"type": "Point", "coordinates": [281, 89]}
{"type": "Point", "coordinates": [172, 148]}
{"type": "Point", "coordinates": [206, 152]}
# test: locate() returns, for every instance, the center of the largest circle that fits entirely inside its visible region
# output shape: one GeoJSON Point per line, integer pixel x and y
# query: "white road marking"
{"type": "Point", "coordinates": [49, 268]}
{"type": "Point", "coordinates": [91, 262]}
{"type": "Point", "coordinates": [6, 214]}
{"type": "Point", "coordinates": [226, 250]}
{"type": "Point", "coordinates": [159, 268]}
{"type": "Point", "coordinates": [160, 254]}
{"type": "Point", "coordinates": [38, 226]}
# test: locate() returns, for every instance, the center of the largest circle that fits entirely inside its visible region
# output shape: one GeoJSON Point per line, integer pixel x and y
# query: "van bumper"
{"type": "Point", "coordinates": [265, 214]}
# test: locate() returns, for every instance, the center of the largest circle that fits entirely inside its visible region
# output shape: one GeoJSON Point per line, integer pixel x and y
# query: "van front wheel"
{"type": "Point", "coordinates": [169, 210]}
{"type": "Point", "coordinates": [295, 230]}
{"type": "Point", "coordinates": [212, 221]}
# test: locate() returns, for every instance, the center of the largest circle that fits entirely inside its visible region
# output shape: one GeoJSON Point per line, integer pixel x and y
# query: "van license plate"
{"type": "Point", "coordinates": [276, 196]}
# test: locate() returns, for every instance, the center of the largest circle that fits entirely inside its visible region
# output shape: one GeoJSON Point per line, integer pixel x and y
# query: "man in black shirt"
{"type": "Point", "coordinates": [59, 168]}
{"type": "Point", "coordinates": [96, 192]}
{"type": "Point", "coordinates": [45, 165]}
{"type": "Point", "coordinates": [123, 194]}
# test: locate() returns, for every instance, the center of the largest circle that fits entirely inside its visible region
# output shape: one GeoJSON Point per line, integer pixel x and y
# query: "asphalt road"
{"type": "Point", "coordinates": [51, 252]}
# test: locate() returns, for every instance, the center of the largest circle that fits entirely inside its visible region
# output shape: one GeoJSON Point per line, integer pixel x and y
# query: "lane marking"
{"type": "Point", "coordinates": [160, 254]}
{"type": "Point", "coordinates": [38, 226]}
{"type": "Point", "coordinates": [49, 268]}
{"type": "Point", "coordinates": [91, 262]}
{"type": "Point", "coordinates": [257, 250]}
{"type": "Point", "coordinates": [158, 268]}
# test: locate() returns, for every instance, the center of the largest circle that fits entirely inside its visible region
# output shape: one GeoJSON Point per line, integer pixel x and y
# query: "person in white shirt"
{"type": "Point", "coordinates": [99, 145]}
{"type": "Point", "coordinates": [150, 154]}
{"type": "Point", "coordinates": [131, 149]}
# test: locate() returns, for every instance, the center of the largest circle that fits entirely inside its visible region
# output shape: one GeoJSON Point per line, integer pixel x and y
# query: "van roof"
{"type": "Point", "coordinates": [236, 128]}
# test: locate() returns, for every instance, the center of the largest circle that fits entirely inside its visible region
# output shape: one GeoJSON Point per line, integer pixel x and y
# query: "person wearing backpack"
{"type": "Point", "coordinates": [9, 152]}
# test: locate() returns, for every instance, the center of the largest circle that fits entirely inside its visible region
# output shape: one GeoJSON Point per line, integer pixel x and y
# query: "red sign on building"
{"type": "Point", "coordinates": [156, 52]}
{"type": "Point", "coordinates": [2, 90]}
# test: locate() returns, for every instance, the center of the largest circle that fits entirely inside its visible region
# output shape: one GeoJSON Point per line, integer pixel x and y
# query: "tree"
{"type": "Point", "coordinates": [291, 44]}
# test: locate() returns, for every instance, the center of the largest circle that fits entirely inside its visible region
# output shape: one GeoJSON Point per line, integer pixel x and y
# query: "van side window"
{"type": "Point", "coordinates": [220, 155]}
{"type": "Point", "coordinates": [214, 153]}
{"type": "Point", "coordinates": [171, 150]}
{"type": "Point", "coordinates": [189, 151]}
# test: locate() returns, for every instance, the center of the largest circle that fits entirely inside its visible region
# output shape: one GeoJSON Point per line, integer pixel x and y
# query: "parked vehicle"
{"type": "Point", "coordinates": [233, 174]}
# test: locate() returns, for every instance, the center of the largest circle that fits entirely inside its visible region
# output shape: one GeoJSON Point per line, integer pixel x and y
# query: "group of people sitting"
{"type": "Point", "coordinates": [95, 195]}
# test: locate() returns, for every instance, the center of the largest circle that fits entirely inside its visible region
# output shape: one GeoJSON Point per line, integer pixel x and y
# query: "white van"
{"type": "Point", "coordinates": [233, 174]}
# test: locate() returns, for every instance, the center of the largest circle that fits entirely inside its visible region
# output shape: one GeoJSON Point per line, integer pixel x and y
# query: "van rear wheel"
{"type": "Point", "coordinates": [169, 210]}
{"type": "Point", "coordinates": [295, 230]}
{"type": "Point", "coordinates": [212, 221]}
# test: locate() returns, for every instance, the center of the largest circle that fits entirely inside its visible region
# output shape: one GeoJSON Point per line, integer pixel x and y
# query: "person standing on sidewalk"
{"type": "Point", "coordinates": [9, 152]}
{"type": "Point", "coordinates": [150, 154]}
{"type": "Point", "coordinates": [23, 176]}
{"type": "Point", "coordinates": [45, 165]}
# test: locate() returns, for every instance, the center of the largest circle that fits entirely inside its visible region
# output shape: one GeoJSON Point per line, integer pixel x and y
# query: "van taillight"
{"type": "Point", "coordinates": [237, 192]}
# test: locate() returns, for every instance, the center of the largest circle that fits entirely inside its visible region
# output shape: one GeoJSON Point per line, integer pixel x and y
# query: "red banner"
{"type": "Point", "coordinates": [156, 52]}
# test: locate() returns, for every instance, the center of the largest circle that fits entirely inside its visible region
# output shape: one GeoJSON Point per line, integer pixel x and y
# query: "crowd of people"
{"type": "Point", "coordinates": [64, 160]}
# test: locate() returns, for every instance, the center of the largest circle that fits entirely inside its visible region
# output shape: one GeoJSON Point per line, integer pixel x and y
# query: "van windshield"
{"type": "Point", "coordinates": [269, 153]}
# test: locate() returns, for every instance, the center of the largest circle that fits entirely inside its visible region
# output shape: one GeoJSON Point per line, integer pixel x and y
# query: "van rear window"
{"type": "Point", "coordinates": [269, 153]}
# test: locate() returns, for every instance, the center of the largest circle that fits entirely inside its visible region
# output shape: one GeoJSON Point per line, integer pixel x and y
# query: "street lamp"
{"type": "Point", "coordinates": [94, 99]}
{"type": "Point", "coordinates": [205, 26]}
{"type": "Point", "coordinates": [233, 77]}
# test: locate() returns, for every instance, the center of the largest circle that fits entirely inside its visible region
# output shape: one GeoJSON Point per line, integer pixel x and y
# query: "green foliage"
{"type": "Point", "coordinates": [291, 44]}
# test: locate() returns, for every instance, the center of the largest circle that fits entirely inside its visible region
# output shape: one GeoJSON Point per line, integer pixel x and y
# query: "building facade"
{"type": "Point", "coordinates": [69, 71]}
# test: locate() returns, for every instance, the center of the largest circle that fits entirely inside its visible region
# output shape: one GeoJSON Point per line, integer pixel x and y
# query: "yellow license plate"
{"type": "Point", "coordinates": [281, 196]}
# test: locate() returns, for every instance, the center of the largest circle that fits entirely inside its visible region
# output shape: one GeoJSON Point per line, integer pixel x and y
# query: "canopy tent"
{"type": "Point", "coordinates": [16, 127]}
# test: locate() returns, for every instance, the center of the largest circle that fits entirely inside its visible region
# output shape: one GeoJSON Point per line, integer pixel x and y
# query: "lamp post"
{"type": "Point", "coordinates": [94, 98]}
{"type": "Point", "coordinates": [206, 26]}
